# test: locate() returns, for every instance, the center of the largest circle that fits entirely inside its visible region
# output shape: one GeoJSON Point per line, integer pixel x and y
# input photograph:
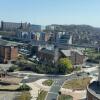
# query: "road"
{"type": "Point", "coordinates": [58, 82]}
{"type": "Point", "coordinates": [54, 91]}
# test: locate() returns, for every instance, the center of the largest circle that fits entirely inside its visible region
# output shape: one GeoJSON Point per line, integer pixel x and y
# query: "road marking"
{"type": "Point", "coordinates": [56, 85]}
{"type": "Point", "coordinates": [48, 92]}
{"type": "Point", "coordinates": [52, 93]}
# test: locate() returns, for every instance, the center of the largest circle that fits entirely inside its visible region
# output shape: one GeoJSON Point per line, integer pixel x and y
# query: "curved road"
{"type": "Point", "coordinates": [57, 84]}
{"type": "Point", "coordinates": [54, 91]}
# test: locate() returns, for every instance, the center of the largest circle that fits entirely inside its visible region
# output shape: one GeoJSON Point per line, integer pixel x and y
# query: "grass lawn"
{"type": "Point", "coordinates": [9, 87]}
{"type": "Point", "coordinates": [48, 82]}
{"type": "Point", "coordinates": [77, 84]}
{"type": "Point", "coordinates": [24, 96]}
{"type": "Point", "coordinates": [12, 80]}
{"type": "Point", "coordinates": [65, 97]}
{"type": "Point", "coordinates": [42, 95]}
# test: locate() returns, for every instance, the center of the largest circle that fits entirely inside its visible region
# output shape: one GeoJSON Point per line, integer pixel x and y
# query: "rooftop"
{"type": "Point", "coordinates": [67, 53]}
{"type": "Point", "coordinates": [94, 89]}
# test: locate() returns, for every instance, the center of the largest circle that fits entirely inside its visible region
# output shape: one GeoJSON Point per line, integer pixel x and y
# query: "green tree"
{"type": "Point", "coordinates": [24, 87]}
{"type": "Point", "coordinates": [64, 65]}
{"type": "Point", "coordinates": [12, 68]}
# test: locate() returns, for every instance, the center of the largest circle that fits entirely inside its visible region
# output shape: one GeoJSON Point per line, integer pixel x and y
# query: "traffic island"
{"type": "Point", "coordinates": [48, 82]}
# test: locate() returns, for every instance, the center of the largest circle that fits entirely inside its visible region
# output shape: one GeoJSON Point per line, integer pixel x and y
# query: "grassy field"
{"type": "Point", "coordinates": [9, 83]}
{"type": "Point", "coordinates": [48, 82]}
{"type": "Point", "coordinates": [24, 96]}
{"type": "Point", "coordinates": [11, 79]}
{"type": "Point", "coordinates": [9, 87]}
{"type": "Point", "coordinates": [77, 84]}
{"type": "Point", "coordinates": [65, 97]}
{"type": "Point", "coordinates": [42, 95]}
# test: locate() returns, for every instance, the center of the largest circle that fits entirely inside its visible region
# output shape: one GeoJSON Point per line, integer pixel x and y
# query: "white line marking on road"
{"type": "Point", "coordinates": [52, 93]}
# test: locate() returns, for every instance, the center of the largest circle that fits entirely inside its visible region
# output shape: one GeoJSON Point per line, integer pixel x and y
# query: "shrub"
{"type": "Point", "coordinates": [24, 87]}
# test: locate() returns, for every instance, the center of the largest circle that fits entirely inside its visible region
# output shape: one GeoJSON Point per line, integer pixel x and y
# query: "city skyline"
{"type": "Point", "coordinates": [45, 12]}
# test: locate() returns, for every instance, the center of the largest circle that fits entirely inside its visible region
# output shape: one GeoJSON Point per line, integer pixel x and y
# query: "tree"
{"type": "Point", "coordinates": [12, 68]}
{"type": "Point", "coordinates": [24, 87]}
{"type": "Point", "coordinates": [64, 65]}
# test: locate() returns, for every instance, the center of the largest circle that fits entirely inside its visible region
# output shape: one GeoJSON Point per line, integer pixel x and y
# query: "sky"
{"type": "Point", "coordinates": [46, 12]}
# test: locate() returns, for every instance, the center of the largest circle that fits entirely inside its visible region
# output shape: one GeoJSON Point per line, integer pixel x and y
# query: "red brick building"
{"type": "Point", "coordinates": [50, 56]}
{"type": "Point", "coordinates": [8, 52]}
{"type": "Point", "coordinates": [74, 55]}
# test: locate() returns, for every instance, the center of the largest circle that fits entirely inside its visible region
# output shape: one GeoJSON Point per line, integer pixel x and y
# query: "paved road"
{"type": "Point", "coordinates": [58, 82]}
{"type": "Point", "coordinates": [54, 91]}
{"type": "Point", "coordinates": [34, 78]}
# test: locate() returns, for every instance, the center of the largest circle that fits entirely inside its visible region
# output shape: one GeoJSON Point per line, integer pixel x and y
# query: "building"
{"type": "Point", "coordinates": [44, 36]}
{"type": "Point", "coordinates": [24, 35]}
{"type": "Point", "coordinates": [76, 56]}
{"type": "Point", "coordinates": [54, 27]}
{"type": "Point", "coordinates": [52, 56]}
{"type": "Point", "coordinates": [65, 39]}
{"type": "Point", "coordinates": [11, 26]}
{"type": "Point", "coordinates": [48, 56]}
{"type": "Point", "coordinates": [8, 51]}
{"type": "Point", "coordinates": [35, 28]}
{"type": "Point", "coordinates": [93, 89]}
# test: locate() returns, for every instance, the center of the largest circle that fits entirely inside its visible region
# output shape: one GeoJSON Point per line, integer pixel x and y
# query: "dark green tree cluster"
{"type": "Point", "coordinates": [63, 66]}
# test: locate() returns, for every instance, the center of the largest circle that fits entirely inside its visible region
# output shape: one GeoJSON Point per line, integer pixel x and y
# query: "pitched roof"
{"type": "Point", "coordinates": [67, 53]}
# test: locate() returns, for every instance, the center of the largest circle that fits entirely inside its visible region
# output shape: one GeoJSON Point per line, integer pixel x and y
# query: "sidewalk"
{"type": "Point", "coordinates": [34, 91]}
{"type": "Point", "coordinates": [77, 95]}
{"type": "Point", "coordinates": [36, 87]}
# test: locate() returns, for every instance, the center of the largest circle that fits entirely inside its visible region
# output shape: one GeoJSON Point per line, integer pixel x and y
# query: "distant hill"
{"type": "Point", "coordinates": [82, 34]}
